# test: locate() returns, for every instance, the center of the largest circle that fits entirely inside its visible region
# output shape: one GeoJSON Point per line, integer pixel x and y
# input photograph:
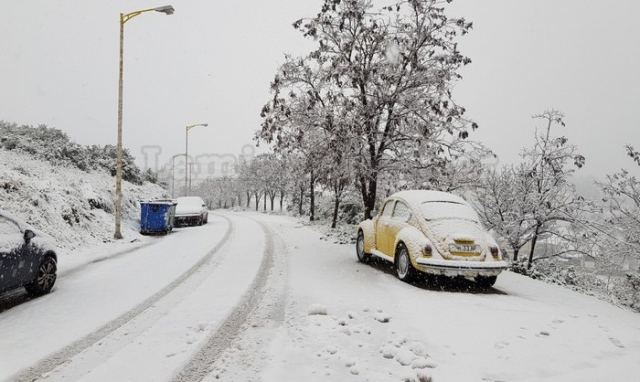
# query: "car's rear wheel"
{"type": "Point", "coordinates": [362, 256]}
{"type": "Point", "coordinates": [45, 279]}
{"type": "Point", "coordinates": [486, 281]}
{"type": "Point", "coordinates": [404, 268]}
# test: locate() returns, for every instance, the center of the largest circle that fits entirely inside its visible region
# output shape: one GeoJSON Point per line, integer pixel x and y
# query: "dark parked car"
{"type": "Point", "coordinates": [26, 259]}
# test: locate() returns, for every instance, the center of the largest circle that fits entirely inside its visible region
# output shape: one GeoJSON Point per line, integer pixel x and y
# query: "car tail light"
{"type": "Point", "coordinates": [427, 250]}
{"type": "Point", "coordinates": [495, 252]}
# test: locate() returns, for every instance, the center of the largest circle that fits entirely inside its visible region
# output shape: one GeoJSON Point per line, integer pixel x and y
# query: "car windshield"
{"type": "Point", "coordinates": [440, 210]}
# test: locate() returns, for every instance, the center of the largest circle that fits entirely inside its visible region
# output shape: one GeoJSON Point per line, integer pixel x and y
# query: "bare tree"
{"type": "Point", "coordinates": [502, 201]}
{"type": "Point", "coordinates": [549, 164]}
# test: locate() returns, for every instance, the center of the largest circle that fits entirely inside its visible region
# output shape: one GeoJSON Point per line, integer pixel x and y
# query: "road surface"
{"type": "Point", "coordinates": [253, 297]}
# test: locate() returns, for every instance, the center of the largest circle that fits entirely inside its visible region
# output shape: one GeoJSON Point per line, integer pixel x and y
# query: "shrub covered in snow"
{"type": "Point", "coordinates": [619, 290]}
{"type": "Point", "coordinates": [628, 291]}
{"type": "Point", "coordinates": [54, 146]}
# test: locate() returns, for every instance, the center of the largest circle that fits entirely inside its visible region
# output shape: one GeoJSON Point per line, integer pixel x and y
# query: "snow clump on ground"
{"type": "Point", "coordinates": [317, 310]}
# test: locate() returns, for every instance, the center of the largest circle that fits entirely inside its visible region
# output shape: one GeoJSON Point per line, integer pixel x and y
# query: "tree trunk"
{"type": "Point", "coordinates": [312, 197]}
{"type": "Point", "coordinates": [281, 199]}
{"type": "Point", "coordinates": [248, 199]}
{"type": "Point", "coordinates": [515, 254]}
{"type": "Point", "coordinates": [534, 239]}
{"type": "Point", "coordinates": [257, 196]}
{"type": "Point", "coordinates": [300, 200]}
{"type": "Point", "coordinates": [264, 204]}
{"type": "Point", "coordinates": [336, 207]}
{"type": "Point", "coordinates": [369, 194]}
{"type": "Point", "coordinates": [271, 198]}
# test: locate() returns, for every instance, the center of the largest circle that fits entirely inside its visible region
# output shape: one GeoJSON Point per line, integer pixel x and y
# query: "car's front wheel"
{"type": "Point", "coordinates": [362, 256]}
{"type": "Point", "coordinates": [404, 268]}
{"type": "Point", "coordinates": [45, 279]}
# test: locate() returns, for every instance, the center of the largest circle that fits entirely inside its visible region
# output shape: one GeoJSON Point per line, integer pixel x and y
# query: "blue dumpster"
{"type": "Point", "coordinates": [156, 216]}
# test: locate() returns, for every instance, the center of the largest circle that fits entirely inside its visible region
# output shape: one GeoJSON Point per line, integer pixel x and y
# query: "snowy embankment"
{"type": "Point", "coordinates": [74, 207]}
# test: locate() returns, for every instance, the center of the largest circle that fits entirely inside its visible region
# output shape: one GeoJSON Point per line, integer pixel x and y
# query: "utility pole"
{"type": "Point", "coordinates": [187, 187]}
{"type": "Point", "coordinates": [190, 175]}
{"type": "Point", "coordinates": [173, 176]}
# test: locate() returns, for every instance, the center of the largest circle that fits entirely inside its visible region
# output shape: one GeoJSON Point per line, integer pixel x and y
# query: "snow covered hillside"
{"type": "Point", "coordinates": [73, 206]}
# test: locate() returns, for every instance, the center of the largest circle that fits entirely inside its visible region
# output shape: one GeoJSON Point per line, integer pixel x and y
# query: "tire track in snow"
{"type": "Point", "coordinates": [18, 297]}
{"type": "Point", "coordinates": [109, 257]}
{"type": "Point", "coordinates": [62, 356]}
{"type": "Point", "coordinates": [251, 305]}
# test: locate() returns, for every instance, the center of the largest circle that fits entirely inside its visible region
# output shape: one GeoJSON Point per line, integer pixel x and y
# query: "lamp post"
{"type": "Point", "coordinates": [124, 17]}
{"type": "Point", "coordinates": [186, 153]}
{"type": "Point", "coordinates": [173, 178]}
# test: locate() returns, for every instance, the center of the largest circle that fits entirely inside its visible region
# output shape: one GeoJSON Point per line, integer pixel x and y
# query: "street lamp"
{"type": "Point", "coordinates": [124, 17]}
{"type": "Point", "coordinates": [173, 178]}
{"type": "Point", "coordinates": [186, 153]}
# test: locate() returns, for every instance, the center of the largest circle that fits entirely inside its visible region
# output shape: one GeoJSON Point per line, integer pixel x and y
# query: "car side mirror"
{"type": "Point", "coordinates": [28, 235]}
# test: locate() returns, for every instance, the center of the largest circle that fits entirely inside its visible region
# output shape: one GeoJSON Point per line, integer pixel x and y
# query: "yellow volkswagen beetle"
{"type": "Point", "coordinates": [432, 232]}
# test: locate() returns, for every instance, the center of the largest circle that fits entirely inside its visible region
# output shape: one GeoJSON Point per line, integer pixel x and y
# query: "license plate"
{"type": "Point", "coordinates": [466, 248]}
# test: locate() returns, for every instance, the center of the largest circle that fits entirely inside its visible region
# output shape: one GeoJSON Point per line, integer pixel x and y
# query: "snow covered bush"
{"type": "Point", "coordinates": [349, 210]}
{"type": "Point", "coordinates": [54, 146]}
{"type": "Point", "coordinates": [628, 293]}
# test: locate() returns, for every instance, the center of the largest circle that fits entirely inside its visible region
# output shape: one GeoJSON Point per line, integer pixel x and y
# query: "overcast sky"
{"type": "Point", "coordinates": [213, 61]}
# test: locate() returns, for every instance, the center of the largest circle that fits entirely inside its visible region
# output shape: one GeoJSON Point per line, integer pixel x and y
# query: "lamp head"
{"type": "Point", "coordinates": [166, 9]}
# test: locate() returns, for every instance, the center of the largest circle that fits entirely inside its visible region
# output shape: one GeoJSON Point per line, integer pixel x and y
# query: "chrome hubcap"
{"type": "Point", "coordinates": [403, 263]}
{"type": "Point", "coordinates": [46, 275]}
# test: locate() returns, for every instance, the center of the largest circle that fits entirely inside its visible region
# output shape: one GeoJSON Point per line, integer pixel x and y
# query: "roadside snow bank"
{"type": "Point", "coordinates": [74, 207]}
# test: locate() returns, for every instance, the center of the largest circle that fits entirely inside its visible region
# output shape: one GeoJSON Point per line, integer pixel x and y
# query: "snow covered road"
{"type": "Point", "coordinates": [154, 305]}
{"type": "Point", "coordinates": [253, 297]}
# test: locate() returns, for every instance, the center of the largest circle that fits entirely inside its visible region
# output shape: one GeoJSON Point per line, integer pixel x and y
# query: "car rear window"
{"type": "Point", "coordinates": [8, 228]}
{"type": "Point", "coordinates": [448, 210]}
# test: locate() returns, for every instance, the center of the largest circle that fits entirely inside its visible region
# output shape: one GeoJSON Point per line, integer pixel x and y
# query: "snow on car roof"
{"type": "Point", "coordinates": [416, 197]}
{"type": "Point", "coordinates": [189, 201]}
{"type": "Point", "coordinates": [160, 201]}
{"type": "Point", "coordinates": [23, 226]}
